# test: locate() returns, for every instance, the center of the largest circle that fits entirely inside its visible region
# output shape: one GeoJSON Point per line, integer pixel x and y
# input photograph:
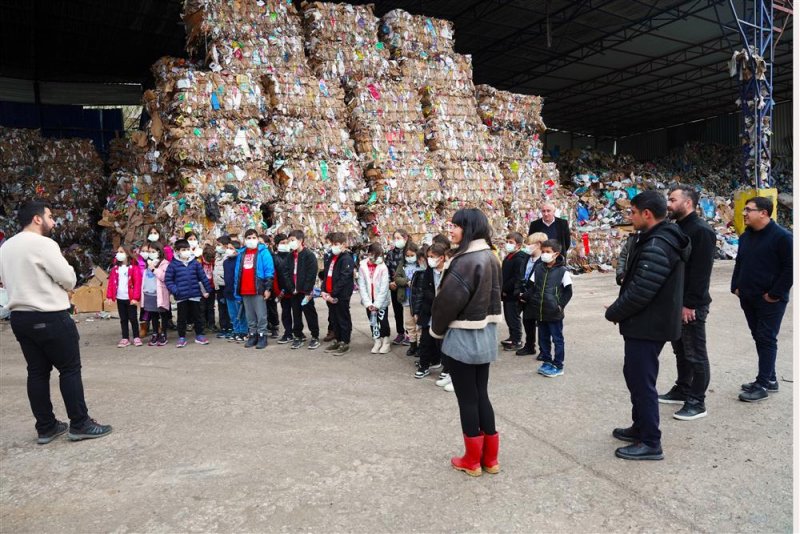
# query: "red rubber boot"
{"type": "Point", "coordinates": [491, 446]}
{"type": "Point", "coordinates": [470, 463]}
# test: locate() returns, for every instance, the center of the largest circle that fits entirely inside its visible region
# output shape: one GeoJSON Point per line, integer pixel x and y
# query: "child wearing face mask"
{"type": "Point", "coordinates": [188, 283]}
{"type": "Point", "coordinates": [155, 296]}
{"type": "Point", "coordinates": [337, 288]}
{"type": "Point", "coordinates": [426, 284]}
{"type": "Point", "coordinates": [125, 287]}
{"type": "Point", "coordinates": [513, 269]}
{"type": "Point", "coordinates": [403, 276]}
{"type": "Point", "coordinates": [395, 259]}
{"type": "Point", "coordinates": [232, 300]}
{"type": "Point", "coordinates": [254, 276]}
{"type": "Point", "coordinates": [533, 245]}
{"type": "Point", "coordinates": [373, 286]}
{"type": "Point", "coordinates": [225, 327]}
{"type": "Point", "coordinates": [206, 259]}
{"type": "Point", "coordinates": [280, 258]}
{"type": "Point", "coordinates": [326, 258]}
{"type": "Point", "coordinates": [550, 291]}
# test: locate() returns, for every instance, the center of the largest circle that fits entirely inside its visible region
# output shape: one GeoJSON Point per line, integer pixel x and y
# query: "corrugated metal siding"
{"type": "Point", "coordinates": [782, 142]}
{"type": "Point", "coordinates": [724, 129]}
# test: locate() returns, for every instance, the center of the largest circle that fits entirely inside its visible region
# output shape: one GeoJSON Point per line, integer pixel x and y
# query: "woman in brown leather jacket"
{"type": "Point", "coordinates": [465, 314]}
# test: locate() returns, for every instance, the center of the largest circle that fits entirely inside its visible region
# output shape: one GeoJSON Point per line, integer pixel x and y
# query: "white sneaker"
{"type": "Point", "coordinates": [386, 345]}
{"type": "Point", "coordinates": [449, 387]}
{"type": "Point", "coordinates": [376, 346]}
{"type": "Point", "coordinates": [442, 382]}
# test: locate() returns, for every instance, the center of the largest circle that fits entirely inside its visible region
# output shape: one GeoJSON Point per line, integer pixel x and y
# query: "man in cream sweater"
{"type": "Point", "coordinates": [38, 279]}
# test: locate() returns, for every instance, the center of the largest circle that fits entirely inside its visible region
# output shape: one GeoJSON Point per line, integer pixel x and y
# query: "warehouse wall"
{"type": "Point", "coordinates": [723, 129]}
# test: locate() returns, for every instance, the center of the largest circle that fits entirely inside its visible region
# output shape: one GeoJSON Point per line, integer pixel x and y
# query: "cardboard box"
{"type": "Point", "coordinates": [88, 299]}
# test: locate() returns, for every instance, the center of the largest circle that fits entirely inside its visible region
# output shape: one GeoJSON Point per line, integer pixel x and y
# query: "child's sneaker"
{"type": "Point", "coordinates": [444, 379]}
{"type": "Point", "coordinates": [153, 340]}
{"type": "Point", "coordinates": [406, 341]}
{"type": "Point", "coordinates": [221, 334]}
{"type": "Point", "coordinates": [162, 340]}
{"type": "Point", "coordinates": [398, 340]}
{"type": "Point", "coordinates": [181, 342]}
{"type": "Point", "coordinates": [123, 343]}
{"type": "Point", "coordinates": [201, 340]}
{"type": "Point", "coordinates": [449, 388]}
{"type": "Point", "coordinates": [285, 338]}
{"type": "Point", "coordinates": [544, 367]}
{"type": "Point", "coordinates": [422, 373]}
{"type": "Point", "coordinates": [239, 338]}
{"type": "Point", "coordinates": [552, 371]}
{"type": "Point", "coordinates": [137, 342]}
{"type": "Point", "coordinates": [314, 343]}
{"type": "Point", "coordinates": [436, 366]}
{"type": "Point", "coordinates": [298, 343]}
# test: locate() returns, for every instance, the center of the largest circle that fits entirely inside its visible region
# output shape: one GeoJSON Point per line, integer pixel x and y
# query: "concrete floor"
{"type": "Point", "coordinates": [219, 438]}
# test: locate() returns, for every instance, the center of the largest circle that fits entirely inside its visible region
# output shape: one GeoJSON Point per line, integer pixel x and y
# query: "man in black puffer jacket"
{"type": "Point", "coordinates": [648, 311]}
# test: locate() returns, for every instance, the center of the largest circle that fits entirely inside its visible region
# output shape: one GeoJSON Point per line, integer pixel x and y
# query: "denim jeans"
{"type": "Point", "coordinates": [236, 313]}
{"type": "Point", "coordinates": [51, 339]}
{"type": "Point", "coordinates": [552, 330]}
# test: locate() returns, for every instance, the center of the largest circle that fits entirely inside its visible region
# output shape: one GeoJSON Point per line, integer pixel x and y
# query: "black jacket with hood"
{"type": "Point", "coordinates": [546, 298]}
{"type": "Point", "coordinates": [651, 297]}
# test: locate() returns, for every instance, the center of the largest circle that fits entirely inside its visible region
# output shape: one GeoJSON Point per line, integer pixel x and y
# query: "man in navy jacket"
{"type": "Point", "coordinates": [762, 279]}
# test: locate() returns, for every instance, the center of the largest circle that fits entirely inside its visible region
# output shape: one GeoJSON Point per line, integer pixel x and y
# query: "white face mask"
{"type": "Point", "coordinates": [192, 244]}
{"type": "Point", "coordinates": [220, 250]}
{"type": "Point", "coordinates": [152, 238]}
{"type": "Point", "coordinates": [547, 257]}
{"type": "Point", "coordinates": [197, 252]}
{"type": "Point", "coordinates": [251, 243]}
{"type": "Point", "coordinates": [283, 247]}
{"type": "Point", "coordinates": [294, 245]}
{"type": "Point", "coordinates": [531, 250]}
{"type": "Point", "coordinates": [229, 252]}
{"type": "Point", "coordinates": [411, 259]}
{"type": "Point", "coordinates": [510, 247]}
{"type": "Point", "coordinates": [154, 256]}
{"type": "Point", "coordinates": [121, 256]}
{"type": "Point", "coordinates": [185, 254]}
{"type": "Point", "coordinates": [378, 261]}
{"type": "Point", "coordinates": [336, 250]}
{"type": "Point", "coordinates": [433, 262]}
{"type": "Point", "coordinates": [400, 243]}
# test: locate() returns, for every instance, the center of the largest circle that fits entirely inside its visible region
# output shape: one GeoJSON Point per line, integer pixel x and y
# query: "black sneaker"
{"type": "Point", "coordinates": [507, 341]}
{"type": "Point", "coordinates": [673, 396]}
{"type": "Point", "coordinates": [314, 343]}
{"type": "Point", "coordinates": [297, 343]}
{"type": "Point", "coordinates": [525, 351]}
{"type": "Point", "coordinates": [343, 349]}
{"type": "Point", "coordinates": [90, 430]}
{"type": "Point", "coordinates": [262, 341]}
{"type": "Point", "coordinates": [422, 373]}
{"type": "Point", "coordinates": [639, 451]}
{"type": "Point", "coordinates": [53, 433]}
{"type": "Point", "coordinates": [757, 393]}
{"type": "Point", "coordinates": [690, 412]}
{"type": "Point", "coordinates": [273, 332]}
{"type": "Point", "coordinates": [252, 340]}
{"type": "Point", "coordinates": [284, 339]}
{"type": "Point", "coordinates": [626, 434]}
{"type": "Point", "coordinates": [513, 346]}
{"type": "Point", "coordinates": [412, 350]}
{"type": "Point", "coordinates": [772, 386]}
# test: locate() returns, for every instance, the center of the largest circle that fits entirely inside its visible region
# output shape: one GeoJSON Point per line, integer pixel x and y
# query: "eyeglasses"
{"type": "Point", "coordinates": [745, 211]}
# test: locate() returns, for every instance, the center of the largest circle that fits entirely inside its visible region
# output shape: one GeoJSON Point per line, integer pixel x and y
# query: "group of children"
{"type": "Point", "coordinates": [248, 280]}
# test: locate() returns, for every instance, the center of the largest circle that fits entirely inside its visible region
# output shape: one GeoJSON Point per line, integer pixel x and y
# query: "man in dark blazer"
{"type": "Point", "coordinates": [554, 227]}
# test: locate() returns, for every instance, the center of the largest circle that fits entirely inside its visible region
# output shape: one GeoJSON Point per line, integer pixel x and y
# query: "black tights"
{"type": "Point", "coordinates": [470, 384]}
{"type": "Point", "coordinates": [158, 321]}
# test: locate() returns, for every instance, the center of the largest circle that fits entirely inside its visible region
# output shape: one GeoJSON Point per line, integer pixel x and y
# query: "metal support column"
{"type": "Point", "coordinates": [755, 19]}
